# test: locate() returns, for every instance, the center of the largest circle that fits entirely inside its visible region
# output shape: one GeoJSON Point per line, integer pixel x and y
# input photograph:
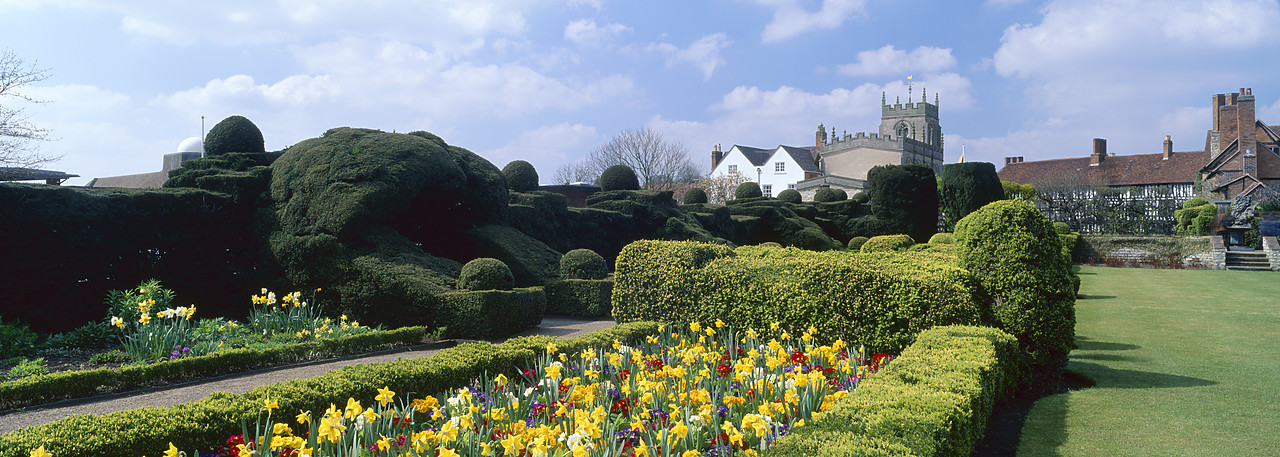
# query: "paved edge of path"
{"type": "Point", "coordinates": [242, 382]}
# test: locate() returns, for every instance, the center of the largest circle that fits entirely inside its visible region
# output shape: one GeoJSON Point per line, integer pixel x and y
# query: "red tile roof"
{"type": "Point", "coordinates": [1127, 170]}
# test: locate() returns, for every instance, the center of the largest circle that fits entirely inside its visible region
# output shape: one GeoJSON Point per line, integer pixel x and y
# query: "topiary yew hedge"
{"type": "Point", "coordinates": [881, 300]}
{"type": "Point", "coordinates": [491, 313]}
{"type": "Point", "coordinates": [233, 134]}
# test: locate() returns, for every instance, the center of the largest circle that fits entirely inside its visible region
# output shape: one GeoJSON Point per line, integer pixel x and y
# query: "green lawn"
{"type": "Point", "coordinates": [1187, 362]}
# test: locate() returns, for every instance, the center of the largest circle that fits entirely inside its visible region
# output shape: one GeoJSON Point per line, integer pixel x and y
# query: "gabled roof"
{"type": "Point", "coordinates": [1129, 170]}
{"type": "Point", "coordinates": [802, 156]}
{"type": "Point", "coordinates": [756, 156]}
{"type": "Point", "coordinates": [32, 174]}
{"type": "Point", "coordinates": [151, 180]}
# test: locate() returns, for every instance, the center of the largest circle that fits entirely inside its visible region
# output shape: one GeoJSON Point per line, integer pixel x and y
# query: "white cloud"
{"type": "Point", "coordinates": [547, 148]}
{"type": "Point", "coordinates": [889, 61]}
{"type": "Point", "coordinates": [587, 33]}
{"type": "Point", "coordinates": [790, 19]}
{"type": "Point", "coordinates": [703, 53]}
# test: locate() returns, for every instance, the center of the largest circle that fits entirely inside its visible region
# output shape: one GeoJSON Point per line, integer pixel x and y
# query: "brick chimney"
{"type": "Point", "coordinates": [716, 156]}
{"type": "Point", "coordinates": [1248, 143]}
{"type": "Point", "coordinates": [1168, 147]}
{"type": "Point", "coordinates": [1099, 151]}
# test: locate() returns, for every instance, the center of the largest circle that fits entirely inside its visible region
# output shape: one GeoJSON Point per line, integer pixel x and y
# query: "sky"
{"type": "Point", "coordinates": [547, 81]}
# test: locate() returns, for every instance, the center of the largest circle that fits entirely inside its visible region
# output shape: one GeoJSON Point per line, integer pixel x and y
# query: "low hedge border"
{"type": "Point", "coordinates": [75, 384]}
{"type": "Point", "coordinates": [935, 400]}
{"type": "Point", "coordinates": [580, 297]}
{"type": "Point", "coordinates": [209, 421]}
{"type": "Point", "coordinates": [492, 313]}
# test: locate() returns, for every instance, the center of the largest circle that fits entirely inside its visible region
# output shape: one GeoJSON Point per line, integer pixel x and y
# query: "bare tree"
{"type": "Point", "coordinates": [658, 163]}
{"type": "Point", "coordinates": [720, 188]}
{"type": "Point", "coordinates": [575, 172]}
{"type": "Point", "coordinates": [16, 130]}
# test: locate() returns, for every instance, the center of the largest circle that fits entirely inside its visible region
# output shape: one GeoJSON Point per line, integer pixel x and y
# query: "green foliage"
{"type": "Point", "coordinates": [855, 243]}
{"type": "Point", "coordinates": [492, 313]}
{"type": "Point", "coordinates": [1023, 270]}
{"type": "Point", "coordinates": [197, 424]}
{"type": "Point", "coordinates": [1015, 191]}
{"type": "Point", "coordinates": [887, 243]}
{"type": "Point", "coordinates": [694, 195]}
{"type": "Point", "coordinates": [532, 262]}
{"type": "Point", "coordinates": [521, 176]}
{"type": "Point", "coordinates": [1202, 226]}
{"type": "Point", "coordinates": [486, 274]}
{"type": "Point", "coordinates": [965, 187]}
{"type": "Point", "coordinates": [580, 297]}
{"type": "Point", "coordinates": [112, 356]}
{"type": "Point", "coordinates": [747, 190]}
{"type": "Point", "coordinates": [790, 196]}
{"type": "Point", "coordinates": [861, 197]}
{"type": "Point", "coordinates": [28, 367]}
{"type": "Point", "coordinates": [942, 238]}
{"type": "Point", "coordinates": [935, 399]}
{"type": "Point", "coordinates": [905, 198]}
{"type": "Point", "coordinates": [583, 264]}
{"type": "Point", "coordinates": [1208, 210]}
{"type": "Point", "coordinates": [881, 300]}
{"type": "Point", "coordinates": [619, 177]}
{"type": "Point", "coordinates": [1061, 228]}
{"type": "Point", "coordinates": [1097, 248]}
{"type": "Point", "coordinates": [82, 383]}
{"type": "Point", "coordinates": [830, 194]}
{"type": "Point", "coordinates": [233, 134]}
{"type": "Point", "coordinates": [1194, 202]}
{"type": "Point", "coordinates": [16, 340]}
{"type": "Point", "coordinates": [90, 335]}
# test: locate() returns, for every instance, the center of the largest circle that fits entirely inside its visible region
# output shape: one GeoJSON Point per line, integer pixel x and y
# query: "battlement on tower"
{"type": "Point", "coordinates": [909, 110]}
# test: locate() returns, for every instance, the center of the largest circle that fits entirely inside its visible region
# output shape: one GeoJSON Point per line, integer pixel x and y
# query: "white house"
{"type": "Point", "coordinates": [774, 169]}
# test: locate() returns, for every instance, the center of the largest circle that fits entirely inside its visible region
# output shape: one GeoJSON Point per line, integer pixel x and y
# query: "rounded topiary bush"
{"type": "Point", "coordinates": [1194, 202]}
{"type": "Point", "coordinates": [888, 243]}
{"type": "Point", "coordinates": [747, 190]}
{"type": "Point", "coordinates": [856, 242]}
{"type": "Point", "coordinates": [942, 238]}
{"type": "Point", "coordinates": [770, 244]}
{"type": "Point", "coordinates": [828, 194]}
{"type": "Point", "coordinates": [1029, 280]}
{"type": "Point", "coordinates": [695, 195]}
{"type": "Point", "coordinates": [619, 177]}
{"type": "Point", "coordinates": [1209, 211]}
{"type": "Point", "coordinates": [1061, 228]}
{"type": "Point", "coordinates": [790, 196]}
{"type": "Point", "coordinates": [861, 197]}
{"type": "Point", "coordinates": [486, 274]}
{"type": "Point", "coordinates": [583, 264]}
{"type": "Point", "coordinates": [521, 176]}
{"type": "Point", "coordinates": [233, 134]}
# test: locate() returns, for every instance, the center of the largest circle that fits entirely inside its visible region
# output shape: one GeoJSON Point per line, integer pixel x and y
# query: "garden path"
{"type": "Point", "coordinates": [240, 383]}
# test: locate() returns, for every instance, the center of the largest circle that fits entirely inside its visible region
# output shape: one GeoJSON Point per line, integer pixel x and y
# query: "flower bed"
{"type": "Point", "coordinates": [696, 391]}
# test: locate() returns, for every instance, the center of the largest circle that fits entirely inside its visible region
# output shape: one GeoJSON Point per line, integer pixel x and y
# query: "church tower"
{"type": "Point", "coordinates": [915, 122]}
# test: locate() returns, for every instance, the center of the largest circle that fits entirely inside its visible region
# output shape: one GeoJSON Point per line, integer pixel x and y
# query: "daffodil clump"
{"type": "Point", "coordinates": [151, 329]}
{"type": "Point", "coordinates": [692, 391]}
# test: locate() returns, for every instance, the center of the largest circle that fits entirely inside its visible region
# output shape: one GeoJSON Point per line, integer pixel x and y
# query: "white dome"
{"type": "Point", "coordinates": [193, 144]}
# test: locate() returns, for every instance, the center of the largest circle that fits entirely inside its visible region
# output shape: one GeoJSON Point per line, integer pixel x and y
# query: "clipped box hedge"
{"type": "Point", "coordinates": [933, 400]}
{"type": "Point", "coordinates": [492, 313]}
{"type": "Point", "coordinates": [74, 384]}
{"type": "Point", "coordinates": [881, 300]}
{"type": "Point", "coordinates": [579, 297]}
{"type": "Point", "coordinates": [209, 421]}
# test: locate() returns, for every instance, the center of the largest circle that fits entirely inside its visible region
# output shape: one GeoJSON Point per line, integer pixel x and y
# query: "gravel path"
{"type": "Point", "coordinates": [243, 382]}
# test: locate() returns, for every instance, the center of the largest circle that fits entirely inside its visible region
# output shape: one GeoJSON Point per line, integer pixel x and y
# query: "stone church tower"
{"type": "Point", "coordinates": [916, 121]}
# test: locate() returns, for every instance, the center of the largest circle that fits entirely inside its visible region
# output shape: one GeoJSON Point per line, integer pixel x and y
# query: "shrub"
{"type": "Point", "coordinates": [486, 274]}
{"type": "Point", "coordinates": [1194, 202]}
{"type": "Point", "coordinates": [856, 242]}
{"type": "Point", "coordinates": [233, 134]}
{"type": "Point", "coordinates": [521, 176]}
{"type": "Point", "coordinates": [942, 238]}
{"type": "Point", "coordinates": [1061, 228]}
{"type": "Point", "coordinates": [861, 197]}
{"type": "Point", "coordinates": [966, 187]}
{"type": "Point", "coordinates": [747, 190]}
{"type": "Point", "coordinates": [887, 243]}
{"type": "Point", "coordinates": [1209, 211]}
{"type": "Point", "coordinates": [881, 300]}
{"type": "Point", "coordinates": [906, 198]}
{"type": "Point", "coordinates": [1020, 257]}
{"type": "Point", "coordinates": [694, 195]}
{"type": "Point", "coordinates": [935, 399]}
{"type": "Point", "coordinates": [830, 194]}
{"type": "Point", "coordinates": [492, 313]}
{"type": "Point", "coordinates": [16, 340]}
{"type": "Point", "coordinates": [770, 244]}
{"type": "Point", "coordinates": [790, 196]}
{"type": "Point", "coordinates": [28, 367]}
{"type": "Point", "coordinates": [580, 297]}
{"type": "Point", "coordinates": [583, 264]}
{"type": "Point", "coordinates": [619, 177]}
{"type": "Point", "coordinates": [1202, 226]}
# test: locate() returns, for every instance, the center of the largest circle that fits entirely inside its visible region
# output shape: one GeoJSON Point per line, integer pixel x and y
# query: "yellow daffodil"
{"type": "Point", "coordinates": [331, 428]}
{"type": "Point", "coordinates": [144, 318]}
{"type": "Point", "coordinates": [691, 453]}
{"type": "Point", "coordinates": [40, 452]}
{"type": "Point", "coordinates": [552, 348]}
{"type": "Point", "coordinates": [385, 395]}
{"type": "Point", "coordinates": [270, 405]}
{"type": "Point", "coordinates": [352, 410]}
{"type": "Point", "coordinates": [501, 380]}
{"type": "Point", "coordinates": [446, 452]}
{"type": "Point", "coordinates": [304, 417]}
{"type": "Point", "coordinates": [641, 449]}
{"type": "Point", "coordinates": [383, 444]}
{"type": "Point", "coordinates": [117, 322]}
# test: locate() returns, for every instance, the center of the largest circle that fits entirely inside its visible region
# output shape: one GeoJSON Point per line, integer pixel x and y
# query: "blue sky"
{"type": "Point", "coordinates": [547, 81]}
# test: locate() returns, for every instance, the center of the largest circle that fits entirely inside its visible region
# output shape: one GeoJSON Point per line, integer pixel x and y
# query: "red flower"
{"type": "Point", "coordinates": [724, 370]}
{"type": "Point", "coordinates": [624, 374]}
{"type": "Point", "coordinates": [878, 361]}
{"type": "Point", "coordinates": [655, 365]}
{"type": "Point", "coordinates": [798, 357]}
